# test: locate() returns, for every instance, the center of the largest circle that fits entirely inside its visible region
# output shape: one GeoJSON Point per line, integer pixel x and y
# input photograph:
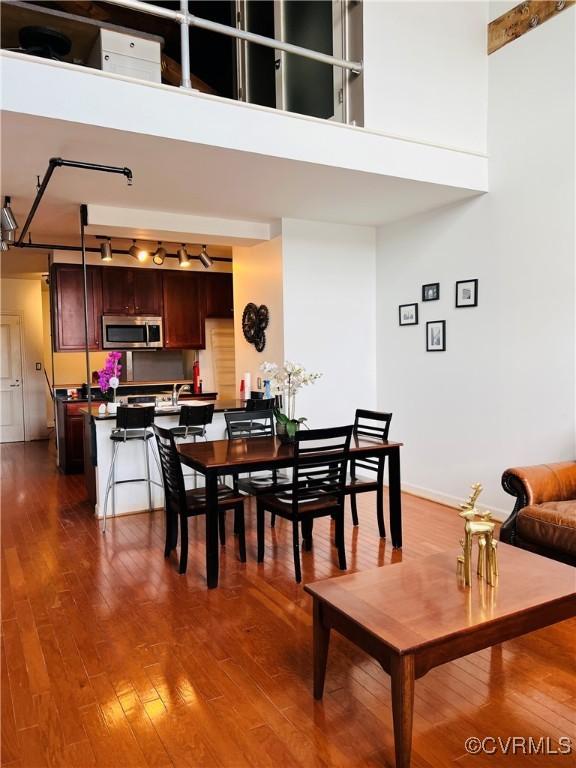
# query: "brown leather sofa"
{"type": "Point", "coordinates": [544, 516]}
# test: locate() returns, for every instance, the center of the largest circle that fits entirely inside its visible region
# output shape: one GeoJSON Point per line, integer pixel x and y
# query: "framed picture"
{"type": "Point", "coordinates": [431, 292]}
{"type": "Point", "coordinates": [467, 293]}
{"type": "Point", "coordinates": [436, 336]}
{"type": "Point", "coordinates": [408, 314]}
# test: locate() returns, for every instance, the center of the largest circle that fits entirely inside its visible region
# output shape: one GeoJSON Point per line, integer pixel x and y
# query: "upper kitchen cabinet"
{"type": "Point", "coordinates": [68, 307]}
{"type": "Point", "coordinates": [184, 310]}
{"type": "Point", "coordinates": [131, 291]}
{"type": "Point", "coordinates": [219, 296]}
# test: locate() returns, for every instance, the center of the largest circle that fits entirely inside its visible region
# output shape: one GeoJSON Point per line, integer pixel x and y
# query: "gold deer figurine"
{"type": "Point", "coordinates": [477, 524]}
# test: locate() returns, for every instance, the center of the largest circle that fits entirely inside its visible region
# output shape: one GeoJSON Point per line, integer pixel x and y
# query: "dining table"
{"type": "Point", "coordinates": [216, 458]}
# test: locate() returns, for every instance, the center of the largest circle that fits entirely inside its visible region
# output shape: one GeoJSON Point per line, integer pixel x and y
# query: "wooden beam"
{"type": "Point", "coordinates": [522, 19]}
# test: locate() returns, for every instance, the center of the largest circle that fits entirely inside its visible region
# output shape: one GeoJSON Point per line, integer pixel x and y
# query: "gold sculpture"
{"type": "Point", "coordinates": [478, 524]}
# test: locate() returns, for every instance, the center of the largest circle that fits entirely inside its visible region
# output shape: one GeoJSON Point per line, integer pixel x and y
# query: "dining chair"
{"type": "Point", "coordinates": [372, 425]}
{"type": "Point", "coordinates": [180, 504]}
{"type": "Point", "coordinates": [260, 404]}
{"type": "Point", "coordinates": [317, 490]}
{"type": "Point", "coordinates": [249, 424]}
{"type": "Point", "coordinates": [193, 421]}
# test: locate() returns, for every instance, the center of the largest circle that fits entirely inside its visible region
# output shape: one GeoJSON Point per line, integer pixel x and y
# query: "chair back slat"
{"type": "Point", "coordinates": [196, 415]}
{"type": "Point", "coordinates": [246, 424]}
{"type": "Point", "coordinates": [374, 426]}
{"type": "Point", "coordinates": [134, 417]}
{"type": "Point", "coordinates": [174, 490]}
{"type": "Point", "coordinates": [260, 404]}
{"type": "Point", "coordinates": [320, 463]}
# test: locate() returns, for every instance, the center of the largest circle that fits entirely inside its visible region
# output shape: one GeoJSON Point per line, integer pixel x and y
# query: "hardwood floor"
{"type": "Point", "coordinates": [110, 658]}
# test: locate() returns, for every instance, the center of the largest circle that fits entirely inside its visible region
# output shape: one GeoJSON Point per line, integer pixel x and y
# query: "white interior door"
{"type": "Point", "coordinates": [11, 392]}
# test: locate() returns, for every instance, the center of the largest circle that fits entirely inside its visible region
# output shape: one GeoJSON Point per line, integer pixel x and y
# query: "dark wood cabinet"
{"type": "Point", "coordinates": [66, 284]}
{"type": "Point", "coordinates": [131, 291]}
{"type": "Point", "coordinates": [219, 295]}
{"type": "Point", "coordinates": [184, 310]}
{"type": "Point", "coordinates": [70, 425]}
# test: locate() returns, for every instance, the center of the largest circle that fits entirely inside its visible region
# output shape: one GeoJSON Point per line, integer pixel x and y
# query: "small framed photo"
{"type": "Point", "coordinates": [436, 336]}
{"type": "Point", "coordinates": [431, 292]}
{"type": "Point", "coordinates": [408, 314]}
{"type": "Point", "coordinates": [467, 293]}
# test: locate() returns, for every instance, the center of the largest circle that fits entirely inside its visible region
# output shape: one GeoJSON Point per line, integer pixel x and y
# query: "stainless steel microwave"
{"type": "Point", "coordinates": [124, 332]}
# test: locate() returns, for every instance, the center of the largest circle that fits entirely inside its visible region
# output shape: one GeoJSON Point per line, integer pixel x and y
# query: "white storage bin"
{"type": "Point", "coordinates": [126, 54]}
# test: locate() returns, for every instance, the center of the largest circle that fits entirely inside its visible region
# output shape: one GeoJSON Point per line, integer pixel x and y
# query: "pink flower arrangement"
{"type": "Point", "coordinates": [112, 368]}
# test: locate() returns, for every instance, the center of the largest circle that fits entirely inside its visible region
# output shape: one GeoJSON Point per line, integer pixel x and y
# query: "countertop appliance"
{"type": "Point", "coordinates": [131, 332]}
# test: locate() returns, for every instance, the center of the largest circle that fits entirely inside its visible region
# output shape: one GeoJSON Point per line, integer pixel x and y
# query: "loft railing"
{"type": "Point", "coordinates": [186, 20]}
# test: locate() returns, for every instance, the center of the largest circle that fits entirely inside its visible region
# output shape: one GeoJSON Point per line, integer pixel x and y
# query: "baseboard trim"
{"type": "Point", "coordinates": [450, 501]}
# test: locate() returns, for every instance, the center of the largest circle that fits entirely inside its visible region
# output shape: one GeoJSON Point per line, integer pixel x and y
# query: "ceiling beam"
{"type": "Point", "coordinates": [521, 19]}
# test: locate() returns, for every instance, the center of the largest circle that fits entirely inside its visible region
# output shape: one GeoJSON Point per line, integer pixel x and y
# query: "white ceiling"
{"type": "Point", "coordinates": [183, 177]}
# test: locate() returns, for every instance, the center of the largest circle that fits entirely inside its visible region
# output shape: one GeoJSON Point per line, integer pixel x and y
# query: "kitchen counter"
{"type": "Point", "coordinates": [132, 498]}
{"type": "Point", "coordinates": [219, 407]}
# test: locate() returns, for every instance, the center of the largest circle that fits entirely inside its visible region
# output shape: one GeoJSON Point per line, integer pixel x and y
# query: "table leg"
{"type": "Point", "coordinates": [395, 498]}
{"type": "Point", "coordinates": [212, 554]}
{"type": "Point", "coordinates": [402, 674]}
{"type": "Point", "coordinates": [321, 642]}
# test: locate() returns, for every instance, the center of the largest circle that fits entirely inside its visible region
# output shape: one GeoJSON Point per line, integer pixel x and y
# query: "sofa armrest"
{"type": "Point", "coordinates": [542, 482]}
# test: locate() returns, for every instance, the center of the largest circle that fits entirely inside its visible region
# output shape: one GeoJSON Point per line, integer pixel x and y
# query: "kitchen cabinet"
{"type": "Point", "coordinates": [70, 426]}
{"type": "Point", "coordinates": [219, 296]}
{"type": "Point", "coordinates": [131, 291]}
{"type": "Point", "coordinates": [66, 284]}
{"type": "Point", "coordinates": [184, 310]}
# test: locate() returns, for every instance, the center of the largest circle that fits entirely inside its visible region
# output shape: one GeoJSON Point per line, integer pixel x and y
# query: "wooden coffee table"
{"type": "Point", "coordinates": [413, 616]}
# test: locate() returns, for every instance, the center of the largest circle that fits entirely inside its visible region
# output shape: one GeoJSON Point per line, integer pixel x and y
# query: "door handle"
{"type": "Point", "coordinates": [14, 385]}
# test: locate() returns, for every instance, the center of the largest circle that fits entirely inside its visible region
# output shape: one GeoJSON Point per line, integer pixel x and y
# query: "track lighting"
{"type": "Point", "coordinates": [138, 253]}
{"type": "Point", "coordinates": [3, 245]}
{"type": "Point", "coordinates": [204, 258]}
{"type": "Point", "coordinates": [106, 250]}
{"type": "Point", "coordinates": [183, 258]}
{"type": "Point", "coordinates": [9, 223]}
{"type": "Point", "coordinates": [159, 255]}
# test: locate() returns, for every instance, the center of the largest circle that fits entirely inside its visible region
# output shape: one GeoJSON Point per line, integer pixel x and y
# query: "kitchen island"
{"type": "Point", "coordinates": [132, 498]}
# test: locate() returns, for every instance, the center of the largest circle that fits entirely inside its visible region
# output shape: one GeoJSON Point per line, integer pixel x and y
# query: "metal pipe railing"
{"type": "Point", "coordinates": [184, 18]}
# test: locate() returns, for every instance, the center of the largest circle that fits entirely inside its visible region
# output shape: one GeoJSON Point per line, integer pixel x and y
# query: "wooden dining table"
{"type": "Point", "coordinates": [232, 457]}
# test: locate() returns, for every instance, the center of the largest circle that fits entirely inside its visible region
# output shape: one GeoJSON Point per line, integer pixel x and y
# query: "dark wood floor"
{"type": "Point", "coordinates": [110, 658]}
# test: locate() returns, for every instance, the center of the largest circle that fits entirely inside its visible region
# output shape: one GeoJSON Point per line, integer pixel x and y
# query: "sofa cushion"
{"type": "Point", "coordinates": [552, 524]}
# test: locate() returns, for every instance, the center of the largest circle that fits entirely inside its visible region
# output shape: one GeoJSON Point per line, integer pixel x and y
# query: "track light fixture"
{"type": "Point", "coordinates": [183, 258]}
{"type": "Point", "coordinates": [9, 223]}
{"type": "Point", "coordinates": [159, 255]}
{"type": "Point", "coordinates": [3, 245]}
{"type": "Point", "coordinates": [204, 258]}
{"type": "Point", "coordinates": [106, 250]}
{"type": "Point", "coordinates": [138, 253]}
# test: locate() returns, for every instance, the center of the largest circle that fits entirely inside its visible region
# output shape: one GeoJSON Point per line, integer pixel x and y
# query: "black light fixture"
{"type": "Point", "coordinates": [204, 258]}
{"type": "Point", "coordinates": [138, 253]}
{"type": "Point", "coordinates": [106, 250]}
{"type": "Point", "coordinates": [159, 255]}
{"type": "Point", "coordinates": [183, 258]}
{"type": "Point", "coordinates": [9, 223]}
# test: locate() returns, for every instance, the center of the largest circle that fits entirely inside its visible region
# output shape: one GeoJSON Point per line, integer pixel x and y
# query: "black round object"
{"type": "Point", "coordinates": [263, 317]}
{"type": "Point", "coordinates": [260, 342]}
{"type": "Point", "coordinates": [45, 42]}
{"type": "Point", "coordinates": [250, 322]}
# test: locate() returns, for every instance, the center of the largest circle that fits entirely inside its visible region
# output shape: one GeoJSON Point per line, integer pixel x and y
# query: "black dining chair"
{"type": "Point", "coordinates": [193, 421]}
{"type": "Point", "coordinates": [180, 504]}
{"type": "Point", "coordinates": [260, 404]}
{"type": "Point", "coordinates": [317, 490]}
{"type": "Point", "coordinates": [132, 423]}
{"type": "Point", "coordinates": [371, 425]}
{"type": "Point", "coordinates": [249, 424]}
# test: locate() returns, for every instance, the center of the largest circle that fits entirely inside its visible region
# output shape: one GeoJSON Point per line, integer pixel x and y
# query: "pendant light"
{"type": "Point", "coordinates": [9, 223]}
{"type": "Point", "coordinates": [204, 258]}
{"type": "Point", "coordinates": [183, 258]}
{"type": "Point", "coordinates": [106, 250]}
{"type": "Point", "coordinates": [159, 255]}
{"type": "Point", "coordinates": [138, 253]}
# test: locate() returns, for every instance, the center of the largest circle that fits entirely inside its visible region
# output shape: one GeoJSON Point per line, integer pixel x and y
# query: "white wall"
{"type": "Point", "coordinates": [425, 71]}
{"type": "Point", "coordinates": [257, 275]}
{"type": "Point", "coordinates": [24, 298]}
{"type": "Point", "coordinates": [329, 316]}
{"type": "Point", "coordinates": [503, 392]}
